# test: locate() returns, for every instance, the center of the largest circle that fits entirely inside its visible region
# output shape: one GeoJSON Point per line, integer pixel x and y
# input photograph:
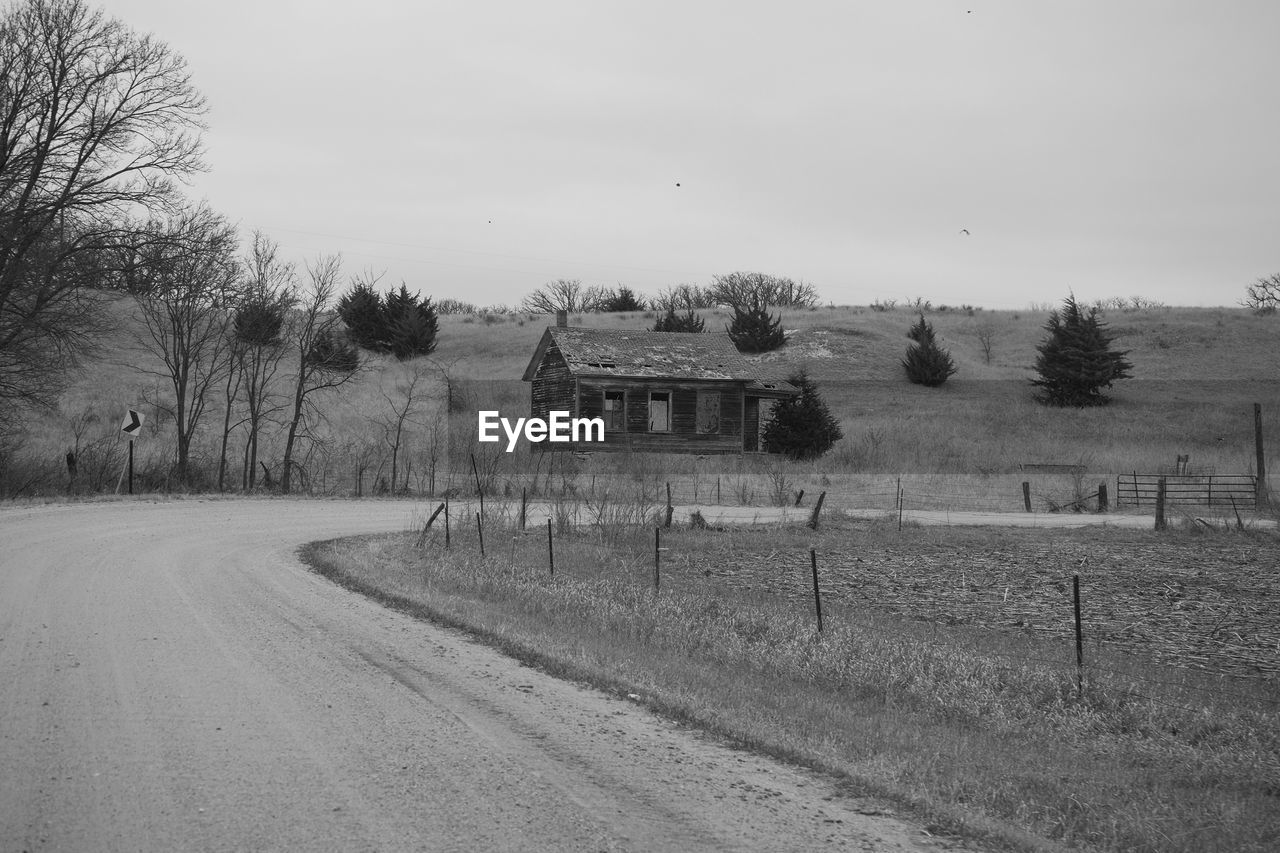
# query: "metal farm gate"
{"type": "Point", "coordinates": [1205, 490]}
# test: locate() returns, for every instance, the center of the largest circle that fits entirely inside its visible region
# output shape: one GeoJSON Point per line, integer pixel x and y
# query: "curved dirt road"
{"type": "Point", "coordinates": [172, 678]}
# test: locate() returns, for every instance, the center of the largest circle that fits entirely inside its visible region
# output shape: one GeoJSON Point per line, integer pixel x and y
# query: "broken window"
{"type": "Point", "coordinates": [660, 411]}
{"type": "Point", "coordinates": [708, 412]}
{"type": "Point", "coordinates": [615, 412]}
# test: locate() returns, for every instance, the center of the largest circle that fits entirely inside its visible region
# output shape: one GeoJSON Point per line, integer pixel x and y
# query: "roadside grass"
{"type": "Point", "coordinates": [978, 732]}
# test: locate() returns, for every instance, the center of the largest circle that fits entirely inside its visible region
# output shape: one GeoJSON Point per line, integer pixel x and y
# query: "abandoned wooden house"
{"type": "Point", "coordinates": [666, 392]}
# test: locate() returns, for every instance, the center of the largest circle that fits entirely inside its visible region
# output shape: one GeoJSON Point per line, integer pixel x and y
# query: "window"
{"type": "Point", "coordinates": [708, 412]}
{"type": "Point", "coordinates": [660, 411]}
{"type": "Point", "coordinates": [615, 411]}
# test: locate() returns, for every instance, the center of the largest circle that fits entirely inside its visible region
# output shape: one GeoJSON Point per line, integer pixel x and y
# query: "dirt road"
{"type": "Point", "coordinates": [172, 678]}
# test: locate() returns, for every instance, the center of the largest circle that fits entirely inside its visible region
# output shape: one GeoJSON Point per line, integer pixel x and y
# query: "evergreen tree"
{"type": "Point", "coordinates": [333, 353]}
{"type": "Point", "coordinates": [1076, 360]}
{"type": "Point", "coordinates": [622, 299]}
{"type": "Point", "coordinates": [361, 310]}
{"type": "Point", "coordinates": [927, 363]}
{"type": "Point", "coordinates": [754, 330]}
{"type": "Point", "coordinates": [802, 426]}
{"type": "Point", "coordinates": [673, 322]}
{"type": "Point", "coordinates": [409, 323]}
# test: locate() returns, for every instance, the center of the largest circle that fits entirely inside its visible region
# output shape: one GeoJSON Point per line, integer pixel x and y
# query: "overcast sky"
{"type": "Point", "coordinates": [477, 150]}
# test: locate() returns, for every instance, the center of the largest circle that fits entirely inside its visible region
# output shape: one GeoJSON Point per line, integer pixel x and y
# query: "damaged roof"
{"type": "Point", "coordinates": [644, 354]}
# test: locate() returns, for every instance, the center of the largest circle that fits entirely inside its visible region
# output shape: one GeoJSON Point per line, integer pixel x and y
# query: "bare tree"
{"type": "Point", "coordinates": [324, 359]}
{"type": "Point", "coordinates": [95, 123]}
{"type": "Point", "coordinates": [986, 333]}
{"type": "Point", "coordinates": [258, 331]}
{"type": "Point", "coordinates": [404, 400]}
{"type": "Point", "coordinates": [1264, 295]}
{"type": "Point", "coordinates": [190, 269]}
{"type": "Point", "coordinates": [742, 289]}
{"type": "Point", "coordinates": [563, 294]}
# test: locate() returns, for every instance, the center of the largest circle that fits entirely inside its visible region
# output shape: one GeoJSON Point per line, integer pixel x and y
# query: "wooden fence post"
{"type": "Point", "coordinates": [1160, 494]}
{"type": "Point", "coordinates": [524, 505]}
{"type": "Point", "coordinates": [446, 522]}
{"type": "Point", "coordinates": [1262, 496]}
{"type": "Point", "coordinates": [551, 551]}
{"type": "Point", "coordinates": [1103, 503]}
{"type": "Point", "coordinates": [480, 533]}
{"type": "Point", "coordinates": [422, 537]}
{"type": "Point", "coordinates": [670, 508]}
{"type": "Point", "coordinates": [1026, 495]}
{"type": "Point", "coordinates": [817, 508]}
{"type": "Point", "coordinates": [817, 597]}
{"type": "Point", "coordinates": [1075, 595]}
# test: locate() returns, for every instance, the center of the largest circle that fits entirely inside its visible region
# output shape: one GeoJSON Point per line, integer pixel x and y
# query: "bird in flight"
{"type": "Point", "coordinates": [964, 230]}
{"type": "Point", "coordinates": [677, 183]}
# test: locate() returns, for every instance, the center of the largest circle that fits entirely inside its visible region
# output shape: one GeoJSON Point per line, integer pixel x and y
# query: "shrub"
{"type": "Point", "coordinates": [1076, 360]}
{"type": "Point", "coordinates": [927, 363]}
{"type": "Point", "coordinates": [673, 322]}
{"type": "Point", "coordinates": [802, 427]}
{"type": "Point", "coordinates": [622, 299]}
{"type": "Point", "coordinates": [754, 330]}
{"type": "Point", "coordinates": [334, 353]}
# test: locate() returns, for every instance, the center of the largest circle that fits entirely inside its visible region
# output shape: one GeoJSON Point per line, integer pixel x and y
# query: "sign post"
{"type": "Point", "coordinates": [131, 427]}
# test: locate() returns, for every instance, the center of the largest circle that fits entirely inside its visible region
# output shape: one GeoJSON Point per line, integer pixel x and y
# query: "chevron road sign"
{"type": "Point", "coordinates": [132, 424]}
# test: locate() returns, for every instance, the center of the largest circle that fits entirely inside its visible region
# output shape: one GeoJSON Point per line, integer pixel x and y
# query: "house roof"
{"type": "Point", "coordinates": [642, 354]}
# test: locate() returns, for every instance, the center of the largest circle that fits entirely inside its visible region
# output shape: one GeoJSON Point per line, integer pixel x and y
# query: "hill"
{"type": "Point", "coordinates": [1197, 373]}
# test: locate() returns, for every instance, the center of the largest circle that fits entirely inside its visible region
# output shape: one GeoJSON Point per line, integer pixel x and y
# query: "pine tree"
{"type": "Point", "coordinates": [333, 353]}
{"type": "Point", "coordinates": [362, 311]}
{"type": "Point", "coordinates": [802, 426]}
{"type": "Point", "coordinates": [1076, 360]}
{"type": "Point", "coordinates": [927, 363]}
{"type": "Point", "coordinates": [673, 322]}
{"type": "Point", "coordinates": [753, 330]}
{"type": "Point", "coordinates": [409, 323]}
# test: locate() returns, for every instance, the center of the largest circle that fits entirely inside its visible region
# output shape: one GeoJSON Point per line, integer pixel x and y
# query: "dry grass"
{"type": "Point", "coordinates": [1198, 373]}
{"type": "Point", "coordinates": [977, 730]}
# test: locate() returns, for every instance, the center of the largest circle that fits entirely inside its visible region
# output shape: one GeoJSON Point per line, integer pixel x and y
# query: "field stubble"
{"type": "Point", "coordinates": [924, 685]}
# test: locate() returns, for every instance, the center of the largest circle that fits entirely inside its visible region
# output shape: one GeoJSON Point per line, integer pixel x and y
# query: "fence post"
{"type": "Point", "coordinates": [799, 497]}
{"type": "Point", "coordinates": [817, 508]}
{"type": "Point", "coordinates": [551, 551]}
{"type": "Point", "coordinates": [817, 598]}
{"type": "Point", "coordinates": [1160, 493]}
{"type": "Point", "coordinates": [670, 508]}
{"type": "Point", "coordinates": [1026, 495]}
{"type": "Point", "coordinates": [524, 505]}
{"type": "Point", "coordinates": [480, 533]}
{"type": "Point", "coordinates": [717, 491]}
{"type": "Point", "coordinates": [1075, 594]}
{"type": "Point", "coordinates": [422, 537]}
{"type": "Point", "coordinates": [479, 491]}
{"type": "Point", "coordinates": [1261, 495]}
{"type": "Point", "coordinates": [446, 522]}
{"type": "Point", "coordinates": [1103, 503]}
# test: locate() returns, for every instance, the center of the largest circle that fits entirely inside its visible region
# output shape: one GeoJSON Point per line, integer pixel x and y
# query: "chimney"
{"type": "Point", "coordinates": [562, 319]}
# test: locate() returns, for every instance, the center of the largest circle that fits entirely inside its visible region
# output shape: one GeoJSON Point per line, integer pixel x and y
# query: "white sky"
{"type": "Point", "coordinates": [477, 150]}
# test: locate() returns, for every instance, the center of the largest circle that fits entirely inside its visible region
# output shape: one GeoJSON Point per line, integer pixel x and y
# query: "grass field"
{"type": "Point", "coordinates": [945, 676]}
{"type": "Point", "coordinates": [1197, 374]}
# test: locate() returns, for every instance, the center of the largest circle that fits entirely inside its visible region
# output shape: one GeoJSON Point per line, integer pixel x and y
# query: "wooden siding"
{"type": "Point", "coordinates": [552, 387]}
{"type": "Point", "coordinates": [683, 437]}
